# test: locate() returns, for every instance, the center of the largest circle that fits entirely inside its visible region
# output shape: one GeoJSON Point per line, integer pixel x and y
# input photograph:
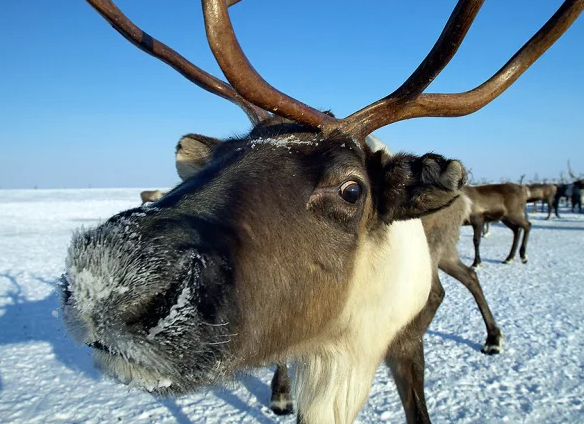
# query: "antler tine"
{"type": "Point", "coordinates": [570, 171]}
{"type": "Point", "coordinates": [244, 78]}
{"type": "Point", "coordinates": [460, 104]}
{"type": "Point", "coordinates": [381, 112]}
{"type": "Point", "coordinates": [145, 42]}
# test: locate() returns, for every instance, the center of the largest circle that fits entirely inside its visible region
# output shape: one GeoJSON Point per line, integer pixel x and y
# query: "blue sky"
{"type": "Point", "coordinates": [80, 106]}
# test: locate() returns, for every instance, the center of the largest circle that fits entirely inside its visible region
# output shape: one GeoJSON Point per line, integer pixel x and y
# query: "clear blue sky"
{"type": "Point", "coordinates": [80, 106]}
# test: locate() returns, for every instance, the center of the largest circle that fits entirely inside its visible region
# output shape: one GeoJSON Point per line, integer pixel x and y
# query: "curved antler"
{"type": "Point", "coordinates": [391, 110]}
{"type": "Point", "coordinates": [381, 112]}
{"type": "Point", "coordinates": [245, 79]}
{"type": "Point", "coordinates": [161, 51]}
{"type": "Point", "coordinates": [407, 101]}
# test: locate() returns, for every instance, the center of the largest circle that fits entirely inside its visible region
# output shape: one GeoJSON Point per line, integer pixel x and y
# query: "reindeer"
{"type": "Point", "coordinates": [572, 192]}
{"type": "Point", "coordinates": [562, 191]}
{"type": "Point", "coordinates": [577, 195]}
{"type": "Point", "coordinates": [499, 202]}
{"type": "Point", "coordinates": [151, 196]}
{"type": "Point", "coordinates": [296, 241]}
{"type": "Point", "coordinates": [543, 192]}
{"type": "Point", "coordinates": [577, 187]}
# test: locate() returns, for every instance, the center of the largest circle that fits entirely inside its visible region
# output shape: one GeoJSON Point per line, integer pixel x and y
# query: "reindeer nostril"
{"type": "Point", "coordinates": [159, 307]}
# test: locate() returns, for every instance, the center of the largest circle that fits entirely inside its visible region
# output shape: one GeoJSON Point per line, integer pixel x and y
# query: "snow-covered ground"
{"type": "Point", "coordinates": [45, 378]}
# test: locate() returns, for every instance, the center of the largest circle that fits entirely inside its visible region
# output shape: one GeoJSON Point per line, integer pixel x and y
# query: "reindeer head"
{"type": "Point", "coordinates": [252, 257]}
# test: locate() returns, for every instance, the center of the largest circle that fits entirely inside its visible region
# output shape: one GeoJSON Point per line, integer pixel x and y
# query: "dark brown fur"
{"type": "Point", "coordinates": [426, 183]}
{"type": "Point", "coordinates": [442, 230]}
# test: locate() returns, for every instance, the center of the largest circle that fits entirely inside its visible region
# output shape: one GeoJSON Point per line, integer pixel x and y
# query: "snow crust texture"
{"type": "Point", "coordinates": [538, 378]}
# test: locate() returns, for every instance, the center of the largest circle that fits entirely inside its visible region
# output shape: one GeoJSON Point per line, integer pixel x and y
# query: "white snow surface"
{"type": "Point", "coordinates": [539, 377]}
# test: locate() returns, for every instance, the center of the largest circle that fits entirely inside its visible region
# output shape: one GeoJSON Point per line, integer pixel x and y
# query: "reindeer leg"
{"type": "Point", "coordinates": [281, 400]}
{"type": "Point", "coordinates": [468, 277]}
{"type": "Point", "coordinates": [556, 206]}
{"type": "Point", "coordinates": [526, 225]}
{"type": "Point", "coordinates": [405, 358]}
{"type": "Point", "coordinates": [486, 229]}
{"type": "Point", "coordinates": [549, 205]}
{"type": "Point", "coordinates": [515, 228]}
{"type": "Point", "coordinates": [477, 227]}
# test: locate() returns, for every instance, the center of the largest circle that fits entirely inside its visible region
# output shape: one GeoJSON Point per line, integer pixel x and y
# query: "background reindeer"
{"type": "Point", "coordinates": [499, 202]}
{"type": "Point", "coordinates": [151, 196]}
{"type": "Point", "coordinates": [578, 185]}
{"type": "Point", "coordinates": [577, 195]}
{"type": "Point", "coordinates": [563, 191]}
{"type": "Point", "coordinates": [571, 192]}
{"type": "Point", "coordinates": [543, 192]}
{"type": "Point", "coordinates": [300, 221]}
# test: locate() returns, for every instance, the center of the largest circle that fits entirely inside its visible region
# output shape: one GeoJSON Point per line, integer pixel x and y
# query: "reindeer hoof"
{"type": "Point", "coordinates": [282, 404]}
{"type": "Point", "coordinates": [524, 259]}
{"type": "Point", "coordinates": [493, 344]}
{"type": "Point", "coordinates": [491, 349]}
{"type": "Point", "coordinates": [476, 267]}
{"type": "Point", "coordinates": [508, 261]}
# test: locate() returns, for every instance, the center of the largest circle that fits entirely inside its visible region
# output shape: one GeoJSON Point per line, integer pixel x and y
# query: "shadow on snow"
{"type": "Point", "coordinates": [457, 339]}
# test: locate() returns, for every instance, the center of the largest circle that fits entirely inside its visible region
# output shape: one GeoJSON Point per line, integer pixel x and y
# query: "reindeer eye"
{"type": "Point", "coordinates": [350, 191]}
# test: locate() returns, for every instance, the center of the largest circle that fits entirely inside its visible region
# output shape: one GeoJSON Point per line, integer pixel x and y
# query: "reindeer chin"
{"type": "Point", "coordinates": [135, 375]}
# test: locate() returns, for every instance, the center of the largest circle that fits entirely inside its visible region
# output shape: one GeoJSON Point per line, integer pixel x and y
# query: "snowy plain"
{"type": "Point", "coordinates": [539, 377]}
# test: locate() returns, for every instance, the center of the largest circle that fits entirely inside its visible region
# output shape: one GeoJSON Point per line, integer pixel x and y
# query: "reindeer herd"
{"type": "Point", "coordinates": [301, 242]}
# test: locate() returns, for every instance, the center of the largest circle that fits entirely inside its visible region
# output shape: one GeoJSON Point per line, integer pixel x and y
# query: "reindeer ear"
{"type": "Point", "coordinates": [414, 186]}
{"type": "Point", "coordinates": [193, 151]}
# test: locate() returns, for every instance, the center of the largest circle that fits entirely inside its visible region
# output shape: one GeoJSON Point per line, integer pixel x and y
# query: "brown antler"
{"type": "Point", "coordinates": [241, 74]}
{"type": "Point", "coordinates": [161, 51]}
{"type": "Point", "coordinates": [407, 101]}
{"type": "Point", "coordinates": [245, 78]}
{"type": "Point", "coordinates": [254, 88]}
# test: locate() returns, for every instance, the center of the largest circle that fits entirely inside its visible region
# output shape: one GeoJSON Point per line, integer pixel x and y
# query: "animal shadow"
{"type": "Point", "coordinates": [566, 228]}
{"type": "Point", "coordinates": [457, 339]}
{"type": "Point", "coordinates": [26, 321]}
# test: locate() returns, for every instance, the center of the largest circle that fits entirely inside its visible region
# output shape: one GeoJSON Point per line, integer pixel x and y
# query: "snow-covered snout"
{"type": "Point", "coordinates": [252, 259]}
{"type": "Point", "coordinates": [141, 299]}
